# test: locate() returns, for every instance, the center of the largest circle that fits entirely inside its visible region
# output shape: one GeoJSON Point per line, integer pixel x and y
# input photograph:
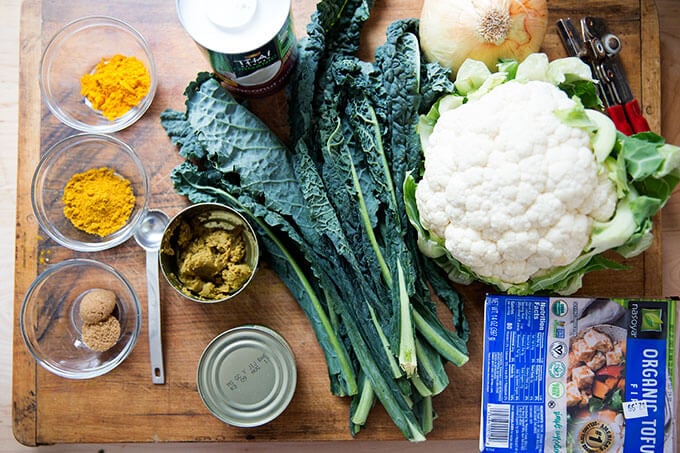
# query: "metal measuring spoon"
{"type": "Point", "coordinates": [148, 236]}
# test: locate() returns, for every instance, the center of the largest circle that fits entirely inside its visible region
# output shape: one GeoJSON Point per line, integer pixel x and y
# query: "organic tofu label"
{"type": "Point", "coordinates": [577, 375]}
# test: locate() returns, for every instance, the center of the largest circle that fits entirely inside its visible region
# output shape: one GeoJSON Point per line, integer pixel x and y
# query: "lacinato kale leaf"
{"type": "Point", "coordinates": [329, 209]}
{"type": "Point", "coordinates": [261, 182]}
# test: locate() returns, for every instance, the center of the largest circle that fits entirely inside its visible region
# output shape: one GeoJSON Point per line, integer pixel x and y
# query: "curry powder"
{"type": "Point", "coordinates": [116, 85]}
{"type": "Point", "coordinates": [98, 201]}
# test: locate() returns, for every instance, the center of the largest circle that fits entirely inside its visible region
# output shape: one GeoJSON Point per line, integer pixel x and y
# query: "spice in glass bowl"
{"type": "Point", "coordinates": [97, 305]}
{"type": "Point", "coordinates": [101, 336]}
{"type": "Point", "coordinates": [98, 201]}
{"type": "Point", "coordinates": [116, 85]}
{"type": "Point", "coordinates": [101, 328]}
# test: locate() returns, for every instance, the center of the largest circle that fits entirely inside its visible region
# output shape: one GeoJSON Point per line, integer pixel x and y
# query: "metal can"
{"type": "Point", "coordinates": [247, 376]}
{"type": "Point", "coordinates": [250, 44]}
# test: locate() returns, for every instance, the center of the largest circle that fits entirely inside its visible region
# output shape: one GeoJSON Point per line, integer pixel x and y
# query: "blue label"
{"type": "Point", "coordinates": [515, 350]}
{"type": "Point", "coordinates": [576, 374]}
{"type": "Point", "coordinates": [646, 375]}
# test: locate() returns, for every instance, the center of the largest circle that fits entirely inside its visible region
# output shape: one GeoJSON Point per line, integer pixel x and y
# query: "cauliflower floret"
{"type": "Point", "coordinates": [511, 189]}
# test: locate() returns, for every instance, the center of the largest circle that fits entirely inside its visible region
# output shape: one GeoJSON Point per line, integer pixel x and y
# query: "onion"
{"type": "Point", "coordinates": [485, 30]}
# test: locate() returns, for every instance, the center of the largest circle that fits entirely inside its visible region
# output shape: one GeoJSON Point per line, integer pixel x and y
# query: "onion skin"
{"type": "Point", "coordinates": [450, 30]}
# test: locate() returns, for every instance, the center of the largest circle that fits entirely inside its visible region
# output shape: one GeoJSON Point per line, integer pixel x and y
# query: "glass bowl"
{"type": "Point", "coordinates": [198, 221]}
{"type": "Point", "coordinates": [77, 154]}
{"type": "Point", "coordinates": [74, 51]}
{"type": "Point", "coordinates": [51, 325]}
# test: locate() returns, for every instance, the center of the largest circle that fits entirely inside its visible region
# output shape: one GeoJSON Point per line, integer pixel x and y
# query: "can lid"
{"type": "Point", "coordinates": [231, 13]}
{"type": "Point", "coordinates": [233, 26]}
{"type": "Point", "coordinates": [247, 376]}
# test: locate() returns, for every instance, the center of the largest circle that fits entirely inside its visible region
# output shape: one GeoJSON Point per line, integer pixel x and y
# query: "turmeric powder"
{"type": "Point", "coordinates": [98, 201]}
{"type": "Point", "coordinates": [117, 84]}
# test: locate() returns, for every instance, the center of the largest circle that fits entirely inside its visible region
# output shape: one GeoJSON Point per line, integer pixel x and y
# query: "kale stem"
{"type": "Point", "coordinates": [431, 367]}
{"type": "Point", "coordinates": [348, 372]}
{"type": "Point", "coordinates": [437, 337]}
{"type": "Point", "coordinates": [396, 371]}
{"type": "Point", "coordinates": [366, 401]}
{"type": "Point", "coordinates": [372, 120]}
{"type": "Point", "coordinates": [426, 414]}
{"type": "Point", "coordinates": [407, 348]}
{"type": "Point", "coordinates": [368, 227]}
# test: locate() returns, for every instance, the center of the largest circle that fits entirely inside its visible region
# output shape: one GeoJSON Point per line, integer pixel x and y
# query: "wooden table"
{"type": "Point", "coordinates": [124, 406]}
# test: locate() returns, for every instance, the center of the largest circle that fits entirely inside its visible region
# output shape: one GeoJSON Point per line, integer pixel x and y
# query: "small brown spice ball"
{"type": "Point", "coordinates": [103, 335]}
{"type": "Point", "coordinates": [97, 305]}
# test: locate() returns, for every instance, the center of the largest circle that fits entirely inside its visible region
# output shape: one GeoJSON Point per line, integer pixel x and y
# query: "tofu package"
{"type": "Point", "coordinates": [568, 374]}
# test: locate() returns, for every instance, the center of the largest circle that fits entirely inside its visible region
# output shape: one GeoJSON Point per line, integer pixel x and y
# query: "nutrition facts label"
{"type": "Point", "coordinates": [515, 370]}
{"type": "Point", "coordinates": [524, 352]}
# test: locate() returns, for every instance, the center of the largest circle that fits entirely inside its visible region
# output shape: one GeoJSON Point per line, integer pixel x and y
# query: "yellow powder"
{"type": "Point", "coordinates": [117, 84]}
{"type": "Point", "coordinates": [44, 256]}
{"type": "Point", "coordinates": [98, 201]}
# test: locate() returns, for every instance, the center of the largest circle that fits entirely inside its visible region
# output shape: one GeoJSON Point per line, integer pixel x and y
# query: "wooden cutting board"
{"type": "Point", "coordinates": [124, 406]}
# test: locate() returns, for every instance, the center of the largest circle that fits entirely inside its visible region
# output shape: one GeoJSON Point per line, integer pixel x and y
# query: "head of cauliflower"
{"type": "Point", "coordinates": [511, 188]}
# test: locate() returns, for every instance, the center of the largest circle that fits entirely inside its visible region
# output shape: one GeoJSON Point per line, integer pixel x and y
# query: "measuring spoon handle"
{"type": "Point", "coordinates": [154, 318]}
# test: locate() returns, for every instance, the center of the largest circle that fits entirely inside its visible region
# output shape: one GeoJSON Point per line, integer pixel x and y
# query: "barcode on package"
{"type": "Point", "coordinates": [497, 425]}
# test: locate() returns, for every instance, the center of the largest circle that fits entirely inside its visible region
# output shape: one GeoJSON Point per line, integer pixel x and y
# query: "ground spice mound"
{"type": "Point", "coordinates": [101, 336]}
{"type": "Point", "coordinates": [97, 305]}
{"type": "Point", "coordinates": [116, 85]}
{"type": "Point", "coordinates": [98, 201]}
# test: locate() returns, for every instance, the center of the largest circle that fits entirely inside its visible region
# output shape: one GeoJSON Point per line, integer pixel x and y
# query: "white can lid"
{"type": "Point", "coordinates": [230, 14]}
{"type": "Point", "coordinates": [233, 26]}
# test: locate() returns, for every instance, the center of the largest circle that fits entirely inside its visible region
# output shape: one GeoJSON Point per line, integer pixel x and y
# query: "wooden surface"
{"type": "Point", "coordinates": [124, 406]}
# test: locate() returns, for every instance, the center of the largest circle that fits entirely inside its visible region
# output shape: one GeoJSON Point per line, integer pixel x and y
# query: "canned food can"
{"type": "Point", "coordinates": [250, 44]}
{"type": "Point", "coordinates": [246, 376]}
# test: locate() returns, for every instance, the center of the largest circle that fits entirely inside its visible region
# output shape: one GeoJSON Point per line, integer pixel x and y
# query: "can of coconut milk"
{"type": "Point", "coordinates": [250, 43]}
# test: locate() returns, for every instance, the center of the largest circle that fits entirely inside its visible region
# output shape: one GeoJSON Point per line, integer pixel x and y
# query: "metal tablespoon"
{"type": "Point", "coordinates": [148, 236]}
